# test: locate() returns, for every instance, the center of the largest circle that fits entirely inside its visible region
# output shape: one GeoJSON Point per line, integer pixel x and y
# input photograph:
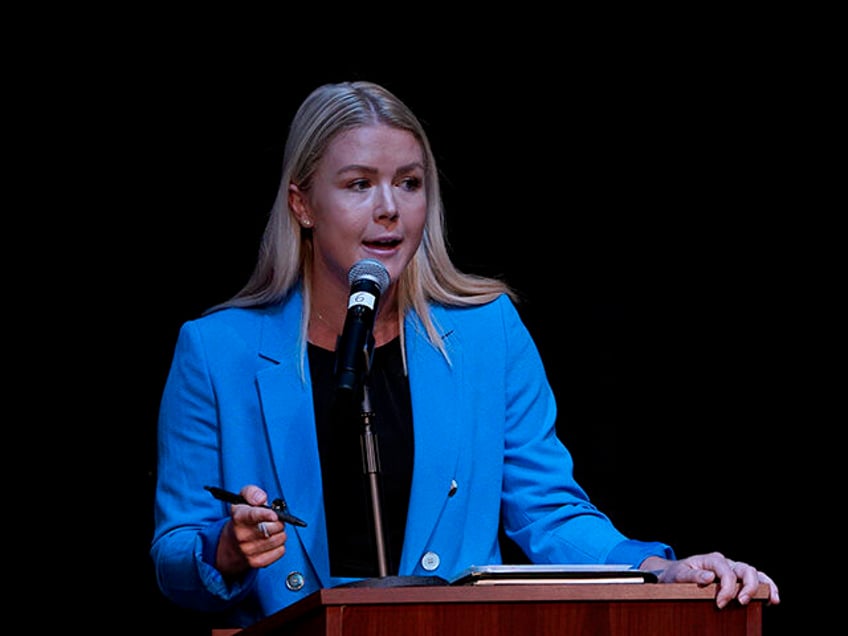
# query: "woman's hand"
{"type": "Point", "coordinates": [735, 579]}
{"type": "Point", "coordinates": [254, 537]}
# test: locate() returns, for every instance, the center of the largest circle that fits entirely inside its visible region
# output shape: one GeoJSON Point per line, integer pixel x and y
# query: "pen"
{"type": "Point", "coordinates": [278, 505]}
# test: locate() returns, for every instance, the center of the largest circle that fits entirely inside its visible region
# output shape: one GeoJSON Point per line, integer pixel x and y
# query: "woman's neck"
{"type": "Point", "coordinates": [324, 329]}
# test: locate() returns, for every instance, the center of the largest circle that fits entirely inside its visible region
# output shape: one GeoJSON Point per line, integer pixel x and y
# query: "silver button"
{"type": "Point", "coordinates": [295, 581]}
{"type": "Point", "coordinates": [430, 561]}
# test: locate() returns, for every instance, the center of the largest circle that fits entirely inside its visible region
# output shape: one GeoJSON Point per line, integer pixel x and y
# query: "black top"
{"type": "Point", "coordinates": [347, 500]}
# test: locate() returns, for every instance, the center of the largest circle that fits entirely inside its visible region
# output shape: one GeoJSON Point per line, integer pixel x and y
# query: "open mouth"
{"type": "Point", "coordinates": [383, 244]}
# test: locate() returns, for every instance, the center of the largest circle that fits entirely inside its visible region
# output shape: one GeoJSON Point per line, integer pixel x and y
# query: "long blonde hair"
{"type": "Point", "coordinates": [286, 253]}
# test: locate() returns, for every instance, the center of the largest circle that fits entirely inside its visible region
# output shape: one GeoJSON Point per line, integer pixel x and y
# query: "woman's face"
{"type": "Point", "coordinates": [366, 200]}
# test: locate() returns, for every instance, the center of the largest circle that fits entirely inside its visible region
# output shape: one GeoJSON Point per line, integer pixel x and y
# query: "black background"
{"type": "Point", "coordinates": [649, 203]}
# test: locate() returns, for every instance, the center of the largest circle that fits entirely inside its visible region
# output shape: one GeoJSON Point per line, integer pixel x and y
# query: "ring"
{"type": "Point", "coordinates": [263, 529]}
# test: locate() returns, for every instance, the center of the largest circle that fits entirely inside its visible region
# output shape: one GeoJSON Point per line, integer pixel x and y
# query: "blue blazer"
{"type": "Point", "coordinates": [235, 410]}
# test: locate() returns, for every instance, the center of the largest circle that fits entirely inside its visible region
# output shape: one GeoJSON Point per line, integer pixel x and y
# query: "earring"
{"type": "Point", "coordinates": [307, 222]}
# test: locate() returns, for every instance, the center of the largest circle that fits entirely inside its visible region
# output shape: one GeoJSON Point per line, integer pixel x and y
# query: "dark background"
{"type": "Point", "coordinates": [650, 205]}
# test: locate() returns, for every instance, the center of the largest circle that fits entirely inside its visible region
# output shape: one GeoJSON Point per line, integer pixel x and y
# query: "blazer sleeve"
{"type": "Point", "coordinates": [187, 519]}
{"type": "Point", "coordinates": [545, 511]}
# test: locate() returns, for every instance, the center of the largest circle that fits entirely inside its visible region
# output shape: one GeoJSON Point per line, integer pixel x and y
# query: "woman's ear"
{"type": "Point", "coordinates": [298, 205]}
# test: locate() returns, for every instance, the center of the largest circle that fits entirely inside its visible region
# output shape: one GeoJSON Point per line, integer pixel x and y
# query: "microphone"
{"type": "Point", "coordinates": [368, 279]}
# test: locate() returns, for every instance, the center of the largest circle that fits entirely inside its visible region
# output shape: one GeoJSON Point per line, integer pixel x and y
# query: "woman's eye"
{"type": "Point", "coordinates": [411, 183]}
{"type": "Point", "coordinates": [359, 184]}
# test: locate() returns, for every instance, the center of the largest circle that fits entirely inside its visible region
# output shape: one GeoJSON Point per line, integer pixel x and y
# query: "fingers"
{"type": "Point", "coordinates": [741, 581]}
{"type": "Point", "coordinates": [254, 495]}
{"type": "Point", "coordinates": [262, 542]}
{"type": "Point", "coordinates": [253, 522]}
{"type": "Point", "coordinates": [750, 580]}
{"type": "Point", "coordinates": [268, 544]}
{"type": "Point", "coordinates": [734, 579]}
{"type": "Point", "coordinates": [261, 531]}
{"type": "Point", "coordinates": [751, 583]}
{"type": "Point", "coordinates": [258, 532]}
{"type": "Point", "coordinates": [774, 593]}
{"type": "Point", "coordinates": [265, 529]}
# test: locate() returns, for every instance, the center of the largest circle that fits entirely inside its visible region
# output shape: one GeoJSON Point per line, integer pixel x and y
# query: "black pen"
{"type": "Point", "coordinates": [278, 505]}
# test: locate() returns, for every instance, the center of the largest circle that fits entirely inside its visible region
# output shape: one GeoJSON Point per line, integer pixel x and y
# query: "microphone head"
{"type": "Point", "coordinates": [370, 269]}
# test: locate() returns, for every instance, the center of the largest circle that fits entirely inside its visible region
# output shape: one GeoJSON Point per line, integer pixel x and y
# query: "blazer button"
{"type": "Point", "coordinates": [294, 581]}
{"type": "Point", "coordinates": [430, 561]}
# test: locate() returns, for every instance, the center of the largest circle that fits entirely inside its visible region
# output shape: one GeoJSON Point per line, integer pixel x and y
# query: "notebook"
{"type": "Point", "coordinates": [551, 574]}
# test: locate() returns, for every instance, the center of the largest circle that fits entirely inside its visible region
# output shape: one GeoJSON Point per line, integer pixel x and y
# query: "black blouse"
{"type": "Point", "coordinates": [347, 500]}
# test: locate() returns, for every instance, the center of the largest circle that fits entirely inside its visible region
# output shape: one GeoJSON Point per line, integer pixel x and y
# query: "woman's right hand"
{"type": "Point", "coordinates": [254, 537]}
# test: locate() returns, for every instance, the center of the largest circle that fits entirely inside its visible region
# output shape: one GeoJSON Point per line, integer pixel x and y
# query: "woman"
{"type": "Point", "coordinates": [456, 392]}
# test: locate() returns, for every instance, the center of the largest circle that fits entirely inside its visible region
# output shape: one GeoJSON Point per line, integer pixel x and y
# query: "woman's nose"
{"type": "Point", "coordinates": [387, 205]}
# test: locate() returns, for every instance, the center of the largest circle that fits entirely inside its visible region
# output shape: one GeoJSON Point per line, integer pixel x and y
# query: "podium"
{"type": "Point", "coordinates": [592, 609]}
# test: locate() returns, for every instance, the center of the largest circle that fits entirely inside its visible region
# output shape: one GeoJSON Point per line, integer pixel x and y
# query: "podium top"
{"type": "Point", "coordinates": [520, 593]}
{"type": "Point", "coordinates": [334, 599]}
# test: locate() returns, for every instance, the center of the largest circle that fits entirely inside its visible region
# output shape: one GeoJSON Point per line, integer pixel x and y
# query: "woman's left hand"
{"type": "Point", "coordinates": [735, 579]}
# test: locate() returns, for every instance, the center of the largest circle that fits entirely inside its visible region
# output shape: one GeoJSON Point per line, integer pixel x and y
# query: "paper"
{"type": "Point", "coordinates": [551, 573]}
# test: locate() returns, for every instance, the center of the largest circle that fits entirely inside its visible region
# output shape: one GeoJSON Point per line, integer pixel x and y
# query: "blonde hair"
{"type": "Point", "coordinates": [286, 253]}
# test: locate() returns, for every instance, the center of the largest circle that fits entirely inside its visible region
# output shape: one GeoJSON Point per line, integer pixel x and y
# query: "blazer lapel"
{"type": "Point", "coordinates": [437, 404]}
{"type": "Point", "coordinates": [290, 420]}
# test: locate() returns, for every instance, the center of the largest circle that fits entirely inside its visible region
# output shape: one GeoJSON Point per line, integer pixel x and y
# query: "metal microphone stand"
{"type": "Point", "coordinates": [371, 468]}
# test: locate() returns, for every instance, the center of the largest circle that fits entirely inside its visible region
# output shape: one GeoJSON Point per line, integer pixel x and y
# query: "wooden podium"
{"type": "Point", "coordinates": [590, 609]}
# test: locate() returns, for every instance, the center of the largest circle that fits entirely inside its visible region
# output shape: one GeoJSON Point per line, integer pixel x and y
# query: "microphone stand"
{"type": "Point", "coordinates": [371, 468]}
